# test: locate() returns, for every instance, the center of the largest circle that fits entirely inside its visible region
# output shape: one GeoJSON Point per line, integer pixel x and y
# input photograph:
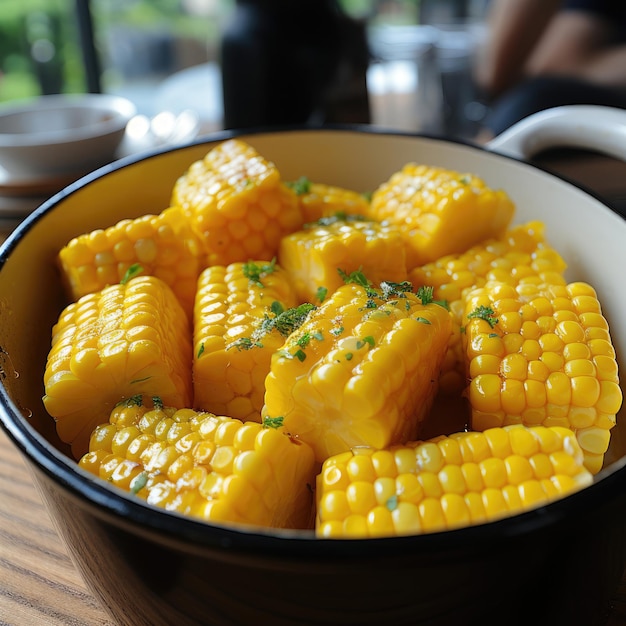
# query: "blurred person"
{"type": "Point", "coordinates": [540, 54]}
{"type": "Point", "coordinates": [293, 62]}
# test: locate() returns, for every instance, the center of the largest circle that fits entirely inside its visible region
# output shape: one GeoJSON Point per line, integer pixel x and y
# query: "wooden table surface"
{"type": "Point", "coordinates": [38, 583]}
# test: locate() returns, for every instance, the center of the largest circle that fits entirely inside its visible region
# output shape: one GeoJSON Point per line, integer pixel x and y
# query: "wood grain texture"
{"type": "Point", "coordinates": [38, 582]}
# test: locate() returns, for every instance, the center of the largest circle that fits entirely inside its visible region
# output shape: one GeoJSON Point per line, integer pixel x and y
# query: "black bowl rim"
{"type": "Point", "coordinates": [123, 510]}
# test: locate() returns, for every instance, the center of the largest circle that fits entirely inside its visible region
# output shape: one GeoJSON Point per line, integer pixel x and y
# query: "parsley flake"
{"type": "Point", "coordinates": [484, 313]}
{"type": "Point", "coordinates": [254, 272]}
{"type": "Point", "coordinates": [273, 422]}
{"type": "Point", "coordinates": [133, 270]}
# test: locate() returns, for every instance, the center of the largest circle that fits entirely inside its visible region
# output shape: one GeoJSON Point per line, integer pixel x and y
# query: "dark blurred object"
{"type": "Point", "coordinates": [286, 62]}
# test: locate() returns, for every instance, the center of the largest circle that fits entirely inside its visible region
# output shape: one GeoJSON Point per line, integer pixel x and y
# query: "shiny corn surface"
{"type": "Point", "coordinates": [163, 245]}
{"type": "Point", "coordinates": [440, 211]}
{"type": "Point", "coordinates": [542, 355]}
{"type": "Point", "coordinates": [521, 255]}
{"type": "Point", "coordinates": [361, 370]}
{"type": "Point", "coordinates": [125, 340]}
{"type": "Point", "coordinates": [316, 255]}
{"type": "Point", "coordinates": [231, 350]}
{"type": "Point", "coordinates": [237, 202]}
{"type": "Point", "coordinates": [446, 483]}
{"type": "Point", "coordinates": [319, 200]}
{"type": "Point", "coordinates": [210, 467]}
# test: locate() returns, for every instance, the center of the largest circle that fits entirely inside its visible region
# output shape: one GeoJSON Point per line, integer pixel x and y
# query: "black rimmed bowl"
{"type": "Point", "coordinates": [557, 564]}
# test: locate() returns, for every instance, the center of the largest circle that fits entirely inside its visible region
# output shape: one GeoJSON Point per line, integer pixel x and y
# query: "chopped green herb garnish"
{"type": "Point", "coordinates": [277, 308]}
{"type": "Point", "coordinates": [300, 186]}
{"type": "Point", "coordinates": [133, 270]}
{"type": "Point", "coordinates": [426, 295]}
{"type": "Point", "coordinates": [254, 272]}
{"type": "Point", "coordinates": [349, 356]}
{"type": "Point", "coordinates": [136, 400]}
{"type": "Point", "coordinates": [337, 331]}
{"type": "Point", "coordinates": [423, 320]}
{"type": "Point", "coordinates": [287, 321]}
{"type": "Point", "coordinates": [392, 502]}
{"type": "Point", "coordinates": [273, 422]}
{"type": "Point", "coordinates": [138, 483]}
{"type": "Point", "coordinates": [157, 403]}
{"type": "Point", "coordinates": [366, 341]}
{"type": "Point", "coordinates": [466, 179]}
{"type": "Point", "coordinates": [321, 293]}
{"type": "Point", "coordinates": [357, 277]}
{"type": "Point", "coordinates": [395, 290]}
{"type": "Point", "coordinates": [244, 343]}
{"type": "Point", "coordinates": [484, 313]}
{"type": "Point", "coordinates": [300, 355]}
{"type": "Point", "coordinates": [200, 350]}
{"type": "Point", "coordinates": [140, 380]}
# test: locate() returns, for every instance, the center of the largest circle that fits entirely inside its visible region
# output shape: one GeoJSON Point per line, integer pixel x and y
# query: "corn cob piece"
{"type": "Point", "coordinates": [163, 245]}
{"type": "Point", "coordinates": [521, 255]}
{"type": "Point", "coordinates": [319, 200]}
{"type": "Point", "coordinates": [237, 202]}
{"type": "Point", "coordinates": [210, 467]}
{"type": "Point", "coordinates": [124, 340]}
{"type": "Point", "coordinates": [231, 350]}
{"type": "Point", "coordinates": [312, 256]}
{"type": "Point", "coordinates": [440, 211]}
{"type": "Point", "coordinates": [542, 355]}
{"type": "Point", "coordinates": [361, 370]}
{"type": "Point", "coordinates": [447, 482]}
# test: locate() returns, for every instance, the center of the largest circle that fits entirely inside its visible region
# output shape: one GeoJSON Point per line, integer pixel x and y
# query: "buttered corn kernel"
{"type": "Point", "coordinates": [446, 483]}
{"type": "Point", "coordinates": [361, 370]}
{"type": "Point", "coordinates": [163, 245]}
{"type": "Point", "coordinates": [128, 339]}
{"type": "Point", "coordinates": [319, 200]}
{"type": "Point", "coordinates": [542, 354]}
{"type": "Point", "coordinates": [214, 468]}
{"type": "Point", "coordinates": [314, 255]}
{"type": "Point", "coordinates": [521, 255]}
{"type": "Point", "coordinates": [237, 202]}
{"type": "Point", "coordinates": [440, 211]}
{"type": "Point", "coordinates": [231, 350]}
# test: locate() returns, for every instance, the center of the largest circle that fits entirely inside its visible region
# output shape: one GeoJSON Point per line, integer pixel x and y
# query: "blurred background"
{"type": "Point", "coordinates": [400, 64]}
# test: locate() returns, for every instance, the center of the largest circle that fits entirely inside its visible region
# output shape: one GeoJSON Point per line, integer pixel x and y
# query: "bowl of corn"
{"type": "Point", "coordinates": [323, 376]}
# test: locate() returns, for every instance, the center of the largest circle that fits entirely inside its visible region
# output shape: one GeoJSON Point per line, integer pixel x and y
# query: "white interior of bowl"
{"type": "Point", "coordinates": [62, 119]}
{"type": "Point", "coordinates": [588, 235]}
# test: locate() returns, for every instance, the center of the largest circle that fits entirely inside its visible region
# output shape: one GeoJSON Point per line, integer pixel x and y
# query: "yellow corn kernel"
{"type": "Point", "coordinates": [440, 211]}
{"type": "Point", "coordinates": [315, 256]}
{"type": "Point", "coordinates": [128, 339]}
{"type": "Point", "coordinates": [319, 200]}
{"type": "Point", "coordinates": [533, 467]}
{"type": "Point", "coordinates": [551, 379]}
{"type": "Point", "coordinates": [521, 255]}
{"type": "Point", "coordinates": [254, 474]}
{"type": "Point", "coordinates": [361, 370]}
{"type": "Point", "coordinates": [231, 350]}
{"type": "Point", "coordinates": [162, 245]}
{"type": "Point", "coordinates": [237, 202]}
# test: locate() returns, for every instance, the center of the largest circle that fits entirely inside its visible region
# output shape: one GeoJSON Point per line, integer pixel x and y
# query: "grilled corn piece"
{"type": "Point", "coordinates": [237, 202]}
{"type": "Point", "coordinates": [521, 255]}
{"type": "Point", "coordinates": [214, 468]}
{"type": "Point", "coordinates": [361, 370]}
{"type": "Point", "coordinates": [447, 482]}
{"type": "Point", "coordinates": [128, 339]}
{"type": "Point", "coordinates": [440, 211]}
{"type": "Point", "coordinates": [319, 200]}
{"type": "Point", "coordinates": [312, 256]}
{"type": "Point", "coordinates": [163, 245]}
{"type": "Point", "coordinates": [231, 350]}
{"type": "Point", "coordinates": [542, 355]}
